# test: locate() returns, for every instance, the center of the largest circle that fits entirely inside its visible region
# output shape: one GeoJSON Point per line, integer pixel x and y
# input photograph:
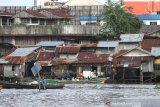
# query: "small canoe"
{"type": "Point", "coordinates": [30, 86]}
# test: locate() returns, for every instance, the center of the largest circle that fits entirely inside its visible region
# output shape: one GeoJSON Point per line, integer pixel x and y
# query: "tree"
{"type": "Point", "coordinates": [118, 20]}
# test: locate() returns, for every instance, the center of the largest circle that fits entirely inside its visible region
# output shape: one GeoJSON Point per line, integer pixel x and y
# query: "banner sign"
{"type": "Point", "coordinates": [36, 68]}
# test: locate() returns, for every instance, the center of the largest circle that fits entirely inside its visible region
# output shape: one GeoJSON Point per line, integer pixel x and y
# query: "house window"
{"type": "Point", "coordinates": [157, 66]}
{"type": "Point", "coordinates": [34, 20]}
{"type": "Point", "coordinates": [42, 21]}
{"type": "Point", "coordinates": [4, 20]}
{"type": "Point", "coordinates": [153, 23]}
{"type": "Point", "coordinates": [13, 68]}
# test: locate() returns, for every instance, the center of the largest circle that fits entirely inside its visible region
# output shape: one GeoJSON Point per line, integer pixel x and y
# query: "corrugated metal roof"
{"type": "Point", "coordinates": [21, 59]}
{"type": "Point", "coordinates": [147, 44]}
{"type": "Point", "coordinates": [68, 50]}
{"type": "Point", "coordinates": [107, 43]}
{"type": "Point", "coordinates": [155, 51]}
{"type": "Point", "coordinates": [35, 13]}
{"type": "Point", "coordinates": [149, 17]}
{"type": "Point", "coordinates": [23, 51]}
{"type": "Point", "coordinates": [131, 37]}
{"type": "Point", "coordinates": [150, 29]}
{"type": "Point", "coordinates": [45, 58]}
{"type": "Point", "coordinates": [133, 59]}
{"type": "Point", "coordinates": [50, 43]}
{"type": "Point", "coordinates": [3, 61]}
{"type": "Point", "coordinates": [89, 57]}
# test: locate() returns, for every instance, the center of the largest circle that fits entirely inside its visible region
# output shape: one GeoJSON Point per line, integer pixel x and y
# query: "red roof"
{"type": "Point", "coordinates": [68, 50]}
{"type": "Point", "coordinates": [147, 44]}
{"type": "Point", "coordinates": [91, 58]}
{"type": "Point", "coordinates": [35, 13]}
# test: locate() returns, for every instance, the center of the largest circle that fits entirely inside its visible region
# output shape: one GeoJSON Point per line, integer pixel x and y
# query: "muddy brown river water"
{"type": "Point", "coordinates": [83, 95]}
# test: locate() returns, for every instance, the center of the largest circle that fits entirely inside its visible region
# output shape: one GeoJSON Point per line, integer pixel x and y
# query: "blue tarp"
{"type": "Point", "coordinates": [93, 18]}
{"type": "Point", "coordinates": [149, 17]}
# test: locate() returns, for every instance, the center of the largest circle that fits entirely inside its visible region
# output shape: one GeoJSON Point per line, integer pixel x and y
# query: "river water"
{"type": "Point", "coordinates": [83, 95]}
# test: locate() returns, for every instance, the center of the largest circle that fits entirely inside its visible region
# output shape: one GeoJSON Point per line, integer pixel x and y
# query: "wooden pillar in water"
{"type": "Point", "coordinates": [141, 76]}
{"type": "Point", "coordinates": [123, 75]}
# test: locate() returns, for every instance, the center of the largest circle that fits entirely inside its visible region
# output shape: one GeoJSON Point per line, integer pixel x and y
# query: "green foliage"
{"type": "Point", "coordinates": [118, 20]}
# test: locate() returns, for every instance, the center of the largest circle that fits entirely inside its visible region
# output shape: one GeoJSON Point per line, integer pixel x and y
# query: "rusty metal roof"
{"type": "Point", "coordinates": [90, 57]}
{"type": "Point", "coordinates": [21, 55]}
{"type": "Point", "coordinates": [45, 58]}
{"type": "Point", "coordinates": [147, 44]}
{"type": "Point", "coordinates": [21, 59]}
{"type": "Point", "coordinates": [35, 13]}
{"type": "Point", "coordinates": [45, 55]}
{"type": "Point", "coordinates": [30, 14]}
{"type": "Point", "coordinates": [59, 12]}
{"type": "Point", "coordinates": [68, 50]}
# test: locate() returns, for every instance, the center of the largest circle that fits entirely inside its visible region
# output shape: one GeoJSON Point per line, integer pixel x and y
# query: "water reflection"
{"type": "Point", "coordinates": [83, 95]}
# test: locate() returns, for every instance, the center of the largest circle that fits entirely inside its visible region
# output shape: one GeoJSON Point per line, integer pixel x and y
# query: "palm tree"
{"type": "Point", "coordinates": [118, 20]}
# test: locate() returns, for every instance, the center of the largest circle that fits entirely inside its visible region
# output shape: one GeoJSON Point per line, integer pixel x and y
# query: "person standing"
{"type": "Point", "coordinates": [81, 76]}
{"type": "Point", "coordinates": [43, 82]}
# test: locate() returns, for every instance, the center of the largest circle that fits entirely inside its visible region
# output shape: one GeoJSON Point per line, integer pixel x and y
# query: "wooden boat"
{"type": "Point", "coordinates": [30, 86]}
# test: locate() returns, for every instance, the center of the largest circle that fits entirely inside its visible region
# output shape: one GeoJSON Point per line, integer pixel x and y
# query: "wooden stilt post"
{"type": "Point", "coordinates": [123, 75]}
{"type": "Point", "coordinates": [39, 81]}
{"type": "Point", "coordinates": [141, 77]}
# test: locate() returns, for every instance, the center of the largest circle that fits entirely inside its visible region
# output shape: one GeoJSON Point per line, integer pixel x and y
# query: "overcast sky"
{"type": "Point", "coordinates": [26, 2]}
